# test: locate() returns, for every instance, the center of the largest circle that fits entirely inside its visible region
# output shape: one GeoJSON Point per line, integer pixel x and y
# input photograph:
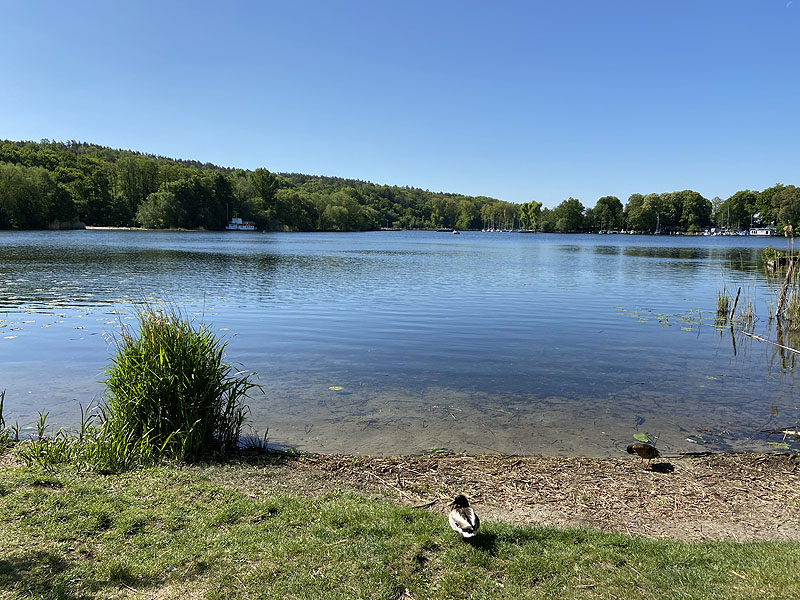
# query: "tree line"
{"type": "Point", "coordinates": [44, 184]}
{"type": "Point", "coordinates": [680, 211]}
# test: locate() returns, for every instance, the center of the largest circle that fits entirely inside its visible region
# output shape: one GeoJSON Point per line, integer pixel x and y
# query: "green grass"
{"type": "Point", "coordinates": [170, 532]}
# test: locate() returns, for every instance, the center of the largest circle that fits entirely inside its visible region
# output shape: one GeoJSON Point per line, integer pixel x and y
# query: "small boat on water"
{"type": "Point", "coordinates": [237, 224]}
{"type": "Point", "coordinates": [764, 231]}
{"type": "Point", "coordinates": [456, 232]}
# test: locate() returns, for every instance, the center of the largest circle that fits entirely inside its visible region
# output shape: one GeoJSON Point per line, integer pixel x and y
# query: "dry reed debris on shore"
{"type": "Point", "coordinates": [740, 497]}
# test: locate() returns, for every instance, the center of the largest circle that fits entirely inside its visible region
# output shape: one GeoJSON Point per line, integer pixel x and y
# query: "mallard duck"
{"type": "Point", "coordinates": [462, 518]}
{"type": "Point", "coordinates": [647, 451]}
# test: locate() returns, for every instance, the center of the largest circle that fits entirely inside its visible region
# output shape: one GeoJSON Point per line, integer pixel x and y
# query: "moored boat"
{"type": "Point", "coordinates": [237, 224]}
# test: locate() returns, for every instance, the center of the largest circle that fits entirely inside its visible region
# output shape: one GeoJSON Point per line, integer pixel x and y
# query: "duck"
{"type": "Point", "coordinates": [462, 517]}
{"type": "Point", "coordinates": [647, 451]}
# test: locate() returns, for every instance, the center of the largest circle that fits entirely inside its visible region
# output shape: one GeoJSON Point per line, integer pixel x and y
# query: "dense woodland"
{"type": "Point", "coordinates": [50, 184]}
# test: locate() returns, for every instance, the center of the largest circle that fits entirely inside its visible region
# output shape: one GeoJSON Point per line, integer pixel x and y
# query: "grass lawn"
{"type": "Point", "coordinates": [170, 532]}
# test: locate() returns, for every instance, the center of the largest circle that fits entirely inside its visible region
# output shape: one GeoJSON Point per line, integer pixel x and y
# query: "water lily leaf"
{"type": "Point", "coordinates": [642, 437]}
{"type": "Point", "coordinates": [439, 450]}
{"type": "Point", "coordinates": [336, 388]}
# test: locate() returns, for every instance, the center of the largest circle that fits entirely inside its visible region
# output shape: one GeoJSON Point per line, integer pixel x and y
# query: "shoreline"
{"type": "Point", "coordinates": [740, 497]}
{"type": "Point", "coordinates": [737, 496]}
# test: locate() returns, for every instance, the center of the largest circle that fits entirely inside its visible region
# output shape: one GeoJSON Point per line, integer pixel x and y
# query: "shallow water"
{"type": "Point", "coordinates": [483, 342]}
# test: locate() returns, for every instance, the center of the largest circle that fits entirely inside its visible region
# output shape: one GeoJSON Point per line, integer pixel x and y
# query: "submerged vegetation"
{"type": "Point", "coordinates": [56, 184]}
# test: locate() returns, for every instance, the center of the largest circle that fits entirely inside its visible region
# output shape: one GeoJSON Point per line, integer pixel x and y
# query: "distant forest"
{"type": "Point", "coordinates": [51, 184]}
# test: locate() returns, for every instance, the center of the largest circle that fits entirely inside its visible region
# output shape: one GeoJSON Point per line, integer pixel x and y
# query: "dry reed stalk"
{"type": "Point", "coordinates": [787, 282]}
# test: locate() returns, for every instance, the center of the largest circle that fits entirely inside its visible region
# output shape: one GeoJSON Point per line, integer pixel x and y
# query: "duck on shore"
{"type": "Point", "coordinates": [644, 450]}
{"type": "Point", "coordinates": [462, 517]}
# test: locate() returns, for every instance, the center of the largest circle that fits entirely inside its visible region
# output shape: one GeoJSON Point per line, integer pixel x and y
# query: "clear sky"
{"type": "Point", "coordinates": [523, 100]}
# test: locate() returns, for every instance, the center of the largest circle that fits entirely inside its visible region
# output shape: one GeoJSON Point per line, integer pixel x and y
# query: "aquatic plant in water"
{"type": "Point", "coordinates": [169, 392]}
{"type": "Point", "coordinates": [169, 382]}
{"type": "Point", "coordinates": [723, 304]}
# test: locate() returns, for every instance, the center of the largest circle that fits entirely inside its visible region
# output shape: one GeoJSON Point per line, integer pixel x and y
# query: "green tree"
{"type": "Point", "coordinates": [266, 185]}
{"type": "Point", "coordinates": [636, 217]}
{"type": "Point", "coordinates": [738, 211]}
{"type": "Point", "coordinates": [547, 221]}
{"type": "Point", "coordinates": [297, 209]}
{"type": "Point", "coordinates": [529, 214]}
{"type": "Point", "coordinates": [608, 213]}
{"type": "Point", "coordinates": [569, 216]}
{"type": "Point", "coordinates": [161, 210]}
{"type": "Point", "coordinates": [696, 211]}
{"type": "Point", "coordinates": [764, 206]}
{"type": "Point", "coordinates": [468, 215]}
{"type": "Point", "coordinates": [25, 197]}
{"type": "Point", "coordinates": [134, 179]}
{"type": "Point", "coordinates": [786, 206]}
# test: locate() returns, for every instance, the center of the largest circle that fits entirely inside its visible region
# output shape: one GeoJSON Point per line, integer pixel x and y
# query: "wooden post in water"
{"type": "Point", "coordinates": [735, 302]}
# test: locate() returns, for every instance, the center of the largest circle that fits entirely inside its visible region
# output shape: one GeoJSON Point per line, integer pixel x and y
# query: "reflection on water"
{"type": "Point", "coordinates": [532, 344]}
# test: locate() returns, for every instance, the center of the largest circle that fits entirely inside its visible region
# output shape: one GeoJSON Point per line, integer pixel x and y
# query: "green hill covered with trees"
{"type": "Point", "coordinates": [53, 182]}
{"type": "Point", "coordinates": [50, 184]}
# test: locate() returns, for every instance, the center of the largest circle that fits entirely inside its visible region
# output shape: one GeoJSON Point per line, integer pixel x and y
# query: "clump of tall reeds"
{"type": "Point", "coordinates": [169, 382]}
{"type": "Point", "coordinates": [747, 315]}
{"type": "Point", "coordinates": [788, 307]}
{"type": "Point", "coordinates": [169, 393]}
{"type": "Point", "coordinates": [723, 305]}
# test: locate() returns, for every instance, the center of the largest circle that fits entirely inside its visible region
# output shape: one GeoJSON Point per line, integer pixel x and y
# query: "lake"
{"type": "Point", "coordinates": [408, 342]}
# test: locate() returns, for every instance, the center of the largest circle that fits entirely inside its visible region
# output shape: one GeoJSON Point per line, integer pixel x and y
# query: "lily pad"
{"type": "Point", "coordinates": [642, 437]}
{"type": "Point", "coordinates": [779, 445]}
{"type": "Point", "coordinates": [335, 388]}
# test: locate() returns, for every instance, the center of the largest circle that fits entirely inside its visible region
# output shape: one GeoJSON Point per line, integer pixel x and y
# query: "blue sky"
{"type": "Point", "coordinates": [515, 100]}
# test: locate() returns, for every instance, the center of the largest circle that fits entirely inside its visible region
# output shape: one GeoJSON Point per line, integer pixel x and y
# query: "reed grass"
{"type": "Point", "coordinates": [723, 304]}
{"type": "Point", "coordinates": [5, 434]}
{"type": "Point", "coordinates": [169, 393]}
{"type": "Point", "coordinates": [95, 445]}
{"type": "Point", "coordinates": [792, 307]}
{"type": "Point", "coordinates": [747, 315]}
{"type": "Point", "coordinates": [168, 382]}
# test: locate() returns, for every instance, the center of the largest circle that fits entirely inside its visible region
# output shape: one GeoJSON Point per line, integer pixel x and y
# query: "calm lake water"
{"type": "Point", "coordinates": [482, 342]}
